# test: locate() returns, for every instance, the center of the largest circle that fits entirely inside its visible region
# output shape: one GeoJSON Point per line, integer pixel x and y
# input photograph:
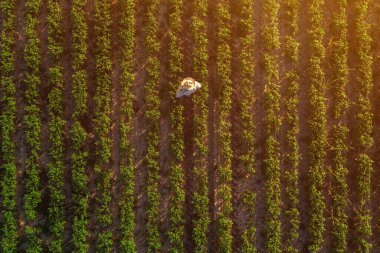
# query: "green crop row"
{"type": "Point", "coordinates": [8, 230]}
{"type": "Point", "coordinates": [152, 100]}
{"type": "Point", "coordinates": [126, 203]}
{"type": "Point", "coordinates": [247, 157]}
{"type": "Point", "coordinates": [224, 170]}
{"type": "Point", "coordinates": [32, 123]}
{"type": "Point", "coordinates": [177, 177]}
{"type": "Point", "coordinates": [55, 127]}
{"type": "Point", "coordinates": [363, 120]}
{"type": "Point", "coordinates": [339, 66]}
{"type": "Point", "coordinates": [317, 121]}
{"type": "Point", "coordinates": [201, 218]}
{"type": "Point", "coordinates": [272, 120]}
{"type": "Point", "coordinates": [292, 157]}
{"type": "Point", "coordinates": [78, 132]}
{"type": "Point", "coordinates": [102, 124]}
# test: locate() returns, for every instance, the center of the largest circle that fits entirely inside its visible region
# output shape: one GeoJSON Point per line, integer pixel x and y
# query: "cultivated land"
{"type": "Point", "coordinates": [277, 152]}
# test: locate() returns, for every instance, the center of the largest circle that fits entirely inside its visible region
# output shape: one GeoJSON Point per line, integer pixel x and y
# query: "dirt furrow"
{"type": "Point", "coordinates": [164, 122]}
{"type": "Point", "coordinates": [239, 215]}
{"type": "Point", "coordinates": [352, 91]}
{"type": "Point", "coordinates": [43, 214]}
{"type": "Point", "coordinates": [188, 127]}
{"type": "Point", "coordinates": [67, 113]}
{"type": "Point", "coordinates": [138, 135]}
{"type": "Point", "coordinates": [91, 75]}
{"type": "Point", "coordinates": [304, 135]}
{"type": "Point", "coordinates": [212, 106]}
{"type": "Point", "coordinates": [259, 177]}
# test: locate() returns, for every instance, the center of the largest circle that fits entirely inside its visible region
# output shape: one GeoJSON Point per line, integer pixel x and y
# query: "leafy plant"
{"type": "Point", "coordinates": [224, 170]}
{"type": "Point", "coordinates": [152, 115]}
{"type": "Point", "coordinates": [291, 120]}
{"type": "Point", "coordinates": [102, 124]}
{"type": "Point", "coordinates": [271, 44]}
{"type": "Point", "coordinates": [176, 136]}
{"type": "Point", "coordinates": [364, 128]}
{"type": "Point", "coordinates": [339, 131]}
{"type": "Point", "coordinates": [201, 219]}
{"type": "Point", "coordinates": [247, 138]}
{"type": "Point", "coordinates": [126, 203]}
{"type": "Point", "coordinates": [55, 127]}
{"type": "Point", "coordinates": [8, 230]}
{"type": "Point", "coordinates": [32, 126]}
{"type": "Point", "coordinates": [317, 122]}
{"type": "Point", "coordinates": [78, 132]}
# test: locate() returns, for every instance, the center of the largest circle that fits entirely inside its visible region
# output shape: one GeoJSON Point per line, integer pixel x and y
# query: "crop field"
{"type": "Point", "coordinates": [278, 151]}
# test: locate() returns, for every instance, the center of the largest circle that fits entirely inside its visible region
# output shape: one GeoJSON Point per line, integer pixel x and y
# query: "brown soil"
{"type": "Point", "coordinates": [304, 135]}
{"type": "Point", "coordinates": [164, 124]}
{"type": "Point", "coordinates": [188, 116]}
{"type": "Point", "coordinates": [138, 138]}
{"type": "Point", "coordinates": [42, 218]}
{"type": "Point", "coordinates": [258, 116]}
{"type": "Point", "coordinates": [68, 110]}
{"type": "Point", "coordinates": [212, 105]}
{"type": "Point", "coordinates": [352, 91]}
{"type": "Point", "coordinates": [238, 184]}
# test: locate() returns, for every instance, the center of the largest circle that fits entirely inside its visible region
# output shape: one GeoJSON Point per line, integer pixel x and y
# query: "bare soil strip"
{"type": "Point", "coordinates": [68, 109]}
{"type": "Point", "coordinates": [188, 127]}
{"type": "Point", "coordinates": [138, 136]}
{"type": "Point", "coordinates": [91, 75]}
{"type": "Point", "coordinates": [352, 91]}
{"type": "Point", "coordinates": [239, 215]}
{"type": "Point", "coordinates": [164, 122]}
{"type": "Point", "coordinates": [259, 114]}
{"type": "Point", "coordinates": [304, 135]}
{"type": "Point", "coordinates": [212, 105]}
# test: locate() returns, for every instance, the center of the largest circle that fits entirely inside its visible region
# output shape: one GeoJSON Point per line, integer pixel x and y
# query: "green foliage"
{"type": "Point", "coordinates": [339, 131]}
{"type": "Point", "coordinates": [78, 133]}
{"type": "Point", "coordinates": [247, 157]}
{"type": "Point", "coordinates": [272, 120]}
{"type": "Point", "coordinates": [102, 124]}
{"type": "Point", "coordinates": [317, 122]}
{"type": "Point", "coordinates": [292, 157]}
{"type": "Point", "coordinates": [200, 198]}
{"type": "Point", "coordinates": [152, 100]}
{"type": "Point", "coordinates": [55, 128]}
{"type": "Point", "coordinates": [21, 118]}
{"type": "Point", "coordinates": [127, 34]}
{"type": "Point", "coordinates": [32, 126]}
{"type": "Point", "coordinates": [224, 170]}
{"type": "Point", "coordinates": [8, 170]}
{"type": "Point", "coordinates": [176, 137]}
{"type": "Point", "coordinates": [364, 128]}
{"type": "Point", "coordinates": [34, 241]}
